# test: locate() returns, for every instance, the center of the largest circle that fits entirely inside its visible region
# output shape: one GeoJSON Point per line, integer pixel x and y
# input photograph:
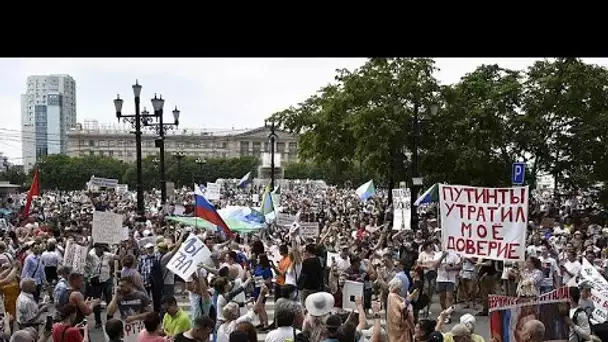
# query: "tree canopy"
{"type": "Point", "coordinates": [553, 116]}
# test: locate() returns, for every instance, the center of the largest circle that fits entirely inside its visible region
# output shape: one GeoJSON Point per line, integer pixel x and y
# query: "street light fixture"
{"type": "Point", "coordinates": [158, 104]}
{"type": "Point", "coordinates": [200, 162]}
{"type": "Point", "coordinates": [136, 120]}
{"type": "Point", "coordinates": [179, 156]}
{"type": "Point", "coordinates": [273, 137]}
{"type": "Point", "coordinates": [417, 181]}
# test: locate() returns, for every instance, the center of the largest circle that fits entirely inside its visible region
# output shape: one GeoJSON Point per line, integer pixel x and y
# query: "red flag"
{"type": "Point", "coordinates": [34, 191]}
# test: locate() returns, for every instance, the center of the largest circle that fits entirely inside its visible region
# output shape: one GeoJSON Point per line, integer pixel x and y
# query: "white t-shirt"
{"type": "Point", "coordinates": [574, 268]}
{"type": "Point", "coordinates": [342, 264]}
{"type": "Point", "coordinates": [281, 334]}
{"type": "Point", "coordinates": [443, 275]}
{"type": "Point", "coordinates": [549, 268]}
{"type": "Point", "coordinates": [425, 258]}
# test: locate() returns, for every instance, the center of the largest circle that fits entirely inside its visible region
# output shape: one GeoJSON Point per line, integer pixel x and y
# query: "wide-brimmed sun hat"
{"type": "Point", "coordinates": [319, 304]}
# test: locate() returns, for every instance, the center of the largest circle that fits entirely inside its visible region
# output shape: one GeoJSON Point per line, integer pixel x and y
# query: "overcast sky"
{"type": "Point", "coordinates": [211, 93]}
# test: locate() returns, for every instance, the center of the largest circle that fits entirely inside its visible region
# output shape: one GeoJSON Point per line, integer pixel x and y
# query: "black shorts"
{"type": "Point", "coordinates": [51, 273]}
{"type": "Point", "coordinates": [445, 286]}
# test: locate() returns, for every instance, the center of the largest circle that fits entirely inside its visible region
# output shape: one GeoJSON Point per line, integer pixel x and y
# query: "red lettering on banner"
{"type": "Point", "coordinates": [495, 235]}
{"type": "Point", "coordinates": [491, 196]}
{"type": "Point", "coordinates": [519, 216]}
{"type": "Point", "coordinates": [445, 196]}
{"type": "Point", "coordinates": [470, 247]}
{"type": "Point", "coordinates": [450, 208]}
{"type": "Point", "coordinates": [128, 329]}
{"type": "Point", "coordinates": [466, 246]}
{"type": "Point", "coordinates": [506, 216]}
{"type": "Point", "coordinates": [518, 198]}
{"type": "Point", "coordinates": [466, 228]}
{"type": "Point", "coordinates": [513, 250]}
{"type": "Point", "coordinates": [481, 216]}
{"type": "Point", "coordinates": [471, 211]}
{"type": "Point", "coordinates": [458, 193]}
{"type": "Point", "coordinates": [482, 232]}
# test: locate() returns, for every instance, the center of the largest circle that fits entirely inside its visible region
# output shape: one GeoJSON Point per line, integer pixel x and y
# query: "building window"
{"type": "Point", "coordinates": [293, 147]}
{"type": "Point", "coordinates": [280, 147]}
{"type": "Point", "coordinates": [91, 153]}
{"type": "Point", "coordinates": [111, 143]}
{"type": "Point", "coordinates": [102, 143]}
{"type": "Point", "coordinates": [257, 148]}
{"type": "Point", "coordinates": [224, 144]}
{"type": "Point", "coordinates": [81, 142]}
{"type": "Point", "coordinates": [111, 153]}
{"type": "Point", "coordinates": [119, 153]}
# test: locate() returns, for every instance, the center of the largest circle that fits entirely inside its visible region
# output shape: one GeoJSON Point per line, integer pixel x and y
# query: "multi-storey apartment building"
{"type": "Point", "coordinates": [48, 111]}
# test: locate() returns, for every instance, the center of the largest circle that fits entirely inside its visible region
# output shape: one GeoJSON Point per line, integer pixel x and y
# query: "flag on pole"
{"type": "Point", "coordinates": [277, 190]}
{"type": "Point", "coordinates": [34, 191]}
{"type": "Point", "coordinates": [205, 210]}
{"type": "Point", "coordinates": [245, 180]}
{"type": "Point", "coordinates": [267, 205]}
{"type": "Point", "coordinates": [431, 195]}
{"type": "Point", "coordinates": [366, 190]}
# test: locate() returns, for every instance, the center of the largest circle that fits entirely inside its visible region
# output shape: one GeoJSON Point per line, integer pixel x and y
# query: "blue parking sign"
{"type": "Point", "coordinates": [519, 173]}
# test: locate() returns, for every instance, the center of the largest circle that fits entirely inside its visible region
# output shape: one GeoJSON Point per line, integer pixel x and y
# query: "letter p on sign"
{"type": "Point", "coordinates": [519, 173]}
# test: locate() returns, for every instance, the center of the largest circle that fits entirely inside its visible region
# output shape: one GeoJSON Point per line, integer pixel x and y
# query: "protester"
{"type": "Point", "coordinates": [153, 329]}
{"type": "Point", "coordinates": [65, 330]}
{"type": "Point", "coordinates": [175, 321]}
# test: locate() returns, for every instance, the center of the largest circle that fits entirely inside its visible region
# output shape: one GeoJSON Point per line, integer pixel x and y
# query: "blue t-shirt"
{"type": "Point", "coordinates": [265, 273]}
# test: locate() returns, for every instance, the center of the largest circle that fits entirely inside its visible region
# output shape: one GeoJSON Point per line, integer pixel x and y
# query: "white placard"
{"type": "Point", "coordinates": [259, 281]}
{"type": "Point", "coordinates": [3, 225]}
{"type": "Point", "coordinates": [125, 233]}
{"type": "Point", "coordinates": [103, 182]}
{"type": "Point", "coordinates": [266, 160]}
{"type": "Point", "coordinates": [402, 214]}
{"type": "Point", "coordinates": [170, 187]}
{"type": "Point", "coordinates": [255, 198]}
{"type": "Point", "coordinates": [285, 220]}
{"type": "Point", "coordinates": [351, 290]}
{"type": "Point", "coordinates": [330, 258]}
{"type": "Point", "coordinates": [599, 292]}
{"type": "Point", "coordinates": [309, 230]}
{"type": "Point", "coordinates": [213, 191]}
{"type": "Point", "coordinates": [75, 256]}
{"type": "Point", "coordinates": [488, 223]}
{"type": "Point", "coordinates": [185, 261]}
{"type": "Point", "coordinates": [122, 188]}
{"type": "Point", "coordinates": [107, 227]}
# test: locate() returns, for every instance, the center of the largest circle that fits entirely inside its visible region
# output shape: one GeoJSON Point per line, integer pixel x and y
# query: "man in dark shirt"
{"type": "Point", "coordinates": [202, 327]}
{"type": "Point", "coordinates": [312, 273]}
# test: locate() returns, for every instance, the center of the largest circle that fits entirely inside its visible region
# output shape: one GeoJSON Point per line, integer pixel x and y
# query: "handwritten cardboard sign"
{"type": "Point", "coordinates": [107, 227]}
{"type": "Point", "coordinates": [192, 252]}
{"type": "Point", "coordinates": [285, 220]}
{"type": "Point", "coordinates": [213, 191]}
{"type": "Point", "coordinates": [486, 223]}
{"type": "Point", "coordinates": [309, 230]}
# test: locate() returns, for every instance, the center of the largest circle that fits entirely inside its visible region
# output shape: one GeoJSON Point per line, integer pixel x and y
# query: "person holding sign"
{"type": "Point", "coordinates": [262, 275]}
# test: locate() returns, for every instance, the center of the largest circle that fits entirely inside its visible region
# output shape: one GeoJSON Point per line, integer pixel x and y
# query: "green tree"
{"type": "Point", "coordinates": [64, 173]}
{"type": "Point", "coordinates": [14, 175]}
{"type": "Point", "coordinates": [365, 118]}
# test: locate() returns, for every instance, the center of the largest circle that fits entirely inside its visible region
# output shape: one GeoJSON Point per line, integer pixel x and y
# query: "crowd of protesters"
{"type": "Point", "coordinates": [402, 271]}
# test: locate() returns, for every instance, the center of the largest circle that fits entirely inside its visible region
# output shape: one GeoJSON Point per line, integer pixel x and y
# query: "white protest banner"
{"type": "Point", "coordinates": [122, 188]}
{"type": "Point", "coordinates": [402, 214]}
{"type": "Point", "coordinates": [103, 182]}
{"type": "Point", "coordinates": [599, 292]}
{"type": "Point", "coordinates": [125, 233]}
{"type": "Point", "coordinates": [107, 227]}
{"type": "Point", "coordinates": [285, 220]}
{"type": "Point", "coordinates": [213, 191]}
{"type": "Point", "coordinates": [309, 230]}
{"type": "Point", "coordinates": [185, 262]}
{"type": "Point", "coordinates": [350, 291]}
{"type": "Point", "coordinates": [488, 223]}
{"type": "Point", "coordinates": [75, 257]}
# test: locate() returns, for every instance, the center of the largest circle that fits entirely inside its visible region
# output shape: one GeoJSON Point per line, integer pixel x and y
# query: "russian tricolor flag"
{"type": "Point", "coordinates": [205, 210]}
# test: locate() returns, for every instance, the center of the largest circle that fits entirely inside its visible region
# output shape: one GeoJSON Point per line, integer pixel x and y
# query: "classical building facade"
{"type": "Point", "coordinates": [91, 138]}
